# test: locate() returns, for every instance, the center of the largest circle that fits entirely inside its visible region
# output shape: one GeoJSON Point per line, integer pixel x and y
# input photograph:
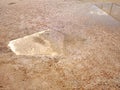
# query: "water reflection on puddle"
{"type": "Point", "coordinates": [112, 9]}
{"type": "Point", "coordinates": [42, 43]}
{"type": "Point", "coordinates": [98, 13]}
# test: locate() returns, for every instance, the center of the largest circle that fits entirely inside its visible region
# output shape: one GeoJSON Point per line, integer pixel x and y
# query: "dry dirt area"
{"type": "Point", "coordinates": [90, 58]}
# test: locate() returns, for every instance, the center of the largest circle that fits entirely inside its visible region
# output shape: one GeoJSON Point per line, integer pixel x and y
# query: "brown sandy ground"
{"type": "Point", "coordinates": [92, 47]}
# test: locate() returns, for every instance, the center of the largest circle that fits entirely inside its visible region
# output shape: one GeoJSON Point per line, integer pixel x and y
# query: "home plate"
{"type": "Point", "coordinates": [46, 42]}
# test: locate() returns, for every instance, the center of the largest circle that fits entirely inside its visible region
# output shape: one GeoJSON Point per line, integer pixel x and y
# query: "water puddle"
{"type": "Point", "coordinates": [113, 9]}
{"type": "Point", "coordinates": [42, 43]}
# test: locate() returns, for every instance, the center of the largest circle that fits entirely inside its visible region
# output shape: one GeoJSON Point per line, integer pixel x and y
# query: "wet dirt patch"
{"type": "Point", "coordinates": [11, 3]}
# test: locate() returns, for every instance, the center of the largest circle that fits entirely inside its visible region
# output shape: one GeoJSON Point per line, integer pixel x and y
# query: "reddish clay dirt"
{"type": "Point", "coordinates": [91, 60]}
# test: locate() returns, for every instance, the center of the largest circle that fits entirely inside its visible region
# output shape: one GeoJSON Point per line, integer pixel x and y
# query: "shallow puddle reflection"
{"type": "Point", "coordinates": [113, 9]}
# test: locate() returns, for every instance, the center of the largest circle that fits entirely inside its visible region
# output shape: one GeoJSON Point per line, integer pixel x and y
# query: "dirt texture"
{"type": "Point", "coordinates": [91, 59]}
